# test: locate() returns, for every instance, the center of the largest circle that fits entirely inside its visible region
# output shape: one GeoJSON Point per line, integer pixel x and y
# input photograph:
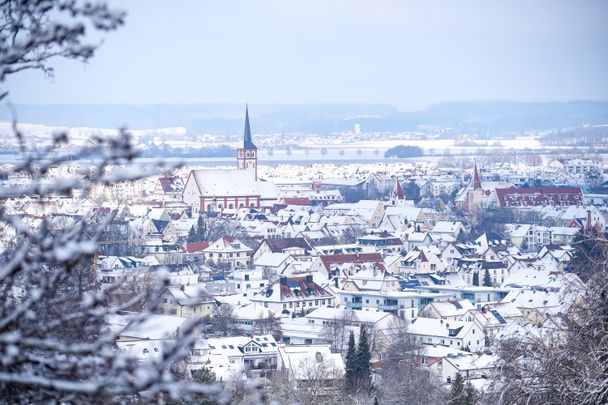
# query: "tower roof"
{"type": "Point", "coordinates": [247, 143]}
{"type": "Point", "coordinates": [397, 191]}
{"type": "Point", "coordinates": [476, 179]}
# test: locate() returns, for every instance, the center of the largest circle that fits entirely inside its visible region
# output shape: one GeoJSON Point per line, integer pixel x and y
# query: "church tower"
{"type": "Point", "coordinates": [247, 156]}
{"type": "Point", "coordinates": [475, 193]}
{"type": "Point", "coordinates": [397, 195]}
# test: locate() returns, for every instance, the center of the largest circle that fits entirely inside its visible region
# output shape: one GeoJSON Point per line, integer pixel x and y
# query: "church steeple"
{"type": "Point", "coordinates": [247, 156]}
{"type": "Point", "coordinates": [247, 143]}
{"type": "Point", "coordinates": [476, 179]}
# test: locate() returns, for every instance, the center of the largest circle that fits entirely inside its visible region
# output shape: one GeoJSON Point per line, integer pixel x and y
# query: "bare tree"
{"type": "Point", "coordinates": [312, 381]}
{"type": "Point", "coordinates": [564, 365]}
{"type": "Point", "coordinates": [352, 233]}
{"type": "Point", "coordinates": [336, 332]}
{"type": "Point", "coordinates": [223, 321]}
{"type": "Point", "coordinates": [402, 378]}
{"type": "Point", "coordinates": [269, 324]}
{"type": "Point", "coordinates": [32, 32]}
{"type": "Point", "coordinates": [54, 345]}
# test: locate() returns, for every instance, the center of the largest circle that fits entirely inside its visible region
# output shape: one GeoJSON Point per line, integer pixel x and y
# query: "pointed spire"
{"type": "Point", "coordinates": [476, 179]}
{"type": "Point", "coordinates": [247, 143]}
{"type": "Point", "coordinates": [397, 191]}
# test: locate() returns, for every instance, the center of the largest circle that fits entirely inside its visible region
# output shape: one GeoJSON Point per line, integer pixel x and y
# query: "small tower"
{"type": "Point", "coordinates": [476, 179]}
{"type": "Point", "coordinates": [397, 195]}
{"type": "Point", "coordinates": [475, 193]}
{"type": "Point", "coordinates": [247, 156]}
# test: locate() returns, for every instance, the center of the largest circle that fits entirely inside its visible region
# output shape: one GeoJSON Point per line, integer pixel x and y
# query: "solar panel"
{"type": "Point", "coordinates": [498, 316]}
{"type": "Point", "coordinates": [292, 284]}
{"type": "Point", "coordinates": [457, 304]}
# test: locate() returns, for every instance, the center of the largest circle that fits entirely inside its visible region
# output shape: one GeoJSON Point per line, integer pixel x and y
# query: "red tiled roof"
{"type": "Point", "coordinates": [296, 201]}
{"type": "Point", "coordinates": [305, 288]}
{"type": "Point", "coordinates": [533, 197]}
{"type": "Point", "coordinates": [194, 247]}
{"type": "Point", "coordinates": [476, 179]}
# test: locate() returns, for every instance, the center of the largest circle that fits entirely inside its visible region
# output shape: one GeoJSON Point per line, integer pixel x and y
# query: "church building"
{"type": "Point", "coordinates": [215, 190]}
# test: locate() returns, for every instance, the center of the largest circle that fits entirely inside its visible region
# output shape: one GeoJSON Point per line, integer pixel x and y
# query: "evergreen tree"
{"type": "Point", "coordinates": [351, 362]}
{"type": "Point", "coordinates": [201, 231]}
{"type": "Point", "coordinates": [487, 280]}
{"type": "Point", "coordinates": [470, 394]}
{"type": "Point", "coordinates": [192, 235]}
{"type": "Point", "coordinates": [589, 254]}
{"type": "Point", "coordinates": [363, 358]}
{"type": "Point", "coordinates": [457, 394]}
{"type": "Point", "coordinates": [376, 402]}
{"type": "Point", "coordinates": [412, 191]}
{"type": "Point", "coordinates": [476, 278]}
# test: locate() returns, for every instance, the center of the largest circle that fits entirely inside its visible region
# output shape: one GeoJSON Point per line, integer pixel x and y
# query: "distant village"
{"type": "Point", "coordinates": [284, 262]}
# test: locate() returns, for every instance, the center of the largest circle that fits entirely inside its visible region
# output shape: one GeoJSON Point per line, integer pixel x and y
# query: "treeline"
{"type": "Point", "coordinates": [404, 151]}
{"type": "Point", "coordinates": [593, 137]}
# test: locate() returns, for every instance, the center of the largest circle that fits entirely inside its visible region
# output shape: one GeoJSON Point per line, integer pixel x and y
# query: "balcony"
{"type": "Point", "coordinates": [388, 307]}
{"type": "Point", "coordinates": [354, 305]}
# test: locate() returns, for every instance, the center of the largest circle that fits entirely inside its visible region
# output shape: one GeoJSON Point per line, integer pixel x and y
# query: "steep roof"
{"type": "Point", "coordinates": [247, 143]}
{"type": "Point", "coordinates": [476, 179]}
{"type": "Point", "coordinates": [397, 191]}
{"type": "Point", "coordinates": [225, 182]}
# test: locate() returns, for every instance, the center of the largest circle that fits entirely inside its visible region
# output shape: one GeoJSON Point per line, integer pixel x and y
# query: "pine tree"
{"type": "Point", "coordinates": [457, 394]}
{"type": "Point", "coordinates": [351, 362]}
{"type": "Point", "coordinates": [201, 228]}
{"type": "Point", "coordinates": [475, 278]}
{"type": "Point", "coordinates": [376, 402]}
{"type": "Point", "coordinates": [363, 358]}
{"type": "Point", "coordinates": [470, 394]}
{"type": "Point", "coordinates": [192, 235]}
{"type": "Point", "coordinates": [589, 253]}
{"type": "Point", "coordinates": [487, 280]}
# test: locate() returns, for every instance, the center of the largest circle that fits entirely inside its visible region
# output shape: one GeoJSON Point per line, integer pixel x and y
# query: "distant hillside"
{"type": "Point", "coordinates": [481, 116]}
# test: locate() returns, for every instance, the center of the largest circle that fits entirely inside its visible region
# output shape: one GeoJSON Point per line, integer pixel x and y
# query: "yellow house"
{"type": "Point", "coordinates": [177, 301]}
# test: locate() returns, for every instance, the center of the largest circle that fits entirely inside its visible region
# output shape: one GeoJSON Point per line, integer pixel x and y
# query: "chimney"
{"type": "Point", "coordinates": [309, 278]}
{"type": "Point", "coordinates": [588, 220]}
{"type": "Point", "coordinates": [182, 287]}
{"type": "Point", "coordinates": [283, 280]}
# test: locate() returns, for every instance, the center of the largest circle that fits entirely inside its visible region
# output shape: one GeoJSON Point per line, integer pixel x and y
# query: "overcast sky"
{"type": "Point", "coordinates": [407, 53]}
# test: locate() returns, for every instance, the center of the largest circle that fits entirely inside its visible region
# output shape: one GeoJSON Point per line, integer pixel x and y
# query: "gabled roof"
{"type": "Point", "coordinates": [247, 143]}
{"type": "Point", "coordinates": [328, 260]}
{"type": "Point", "coordinates": [160, 225]}
{"type": "Point", "coordinates": [476, 179]}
